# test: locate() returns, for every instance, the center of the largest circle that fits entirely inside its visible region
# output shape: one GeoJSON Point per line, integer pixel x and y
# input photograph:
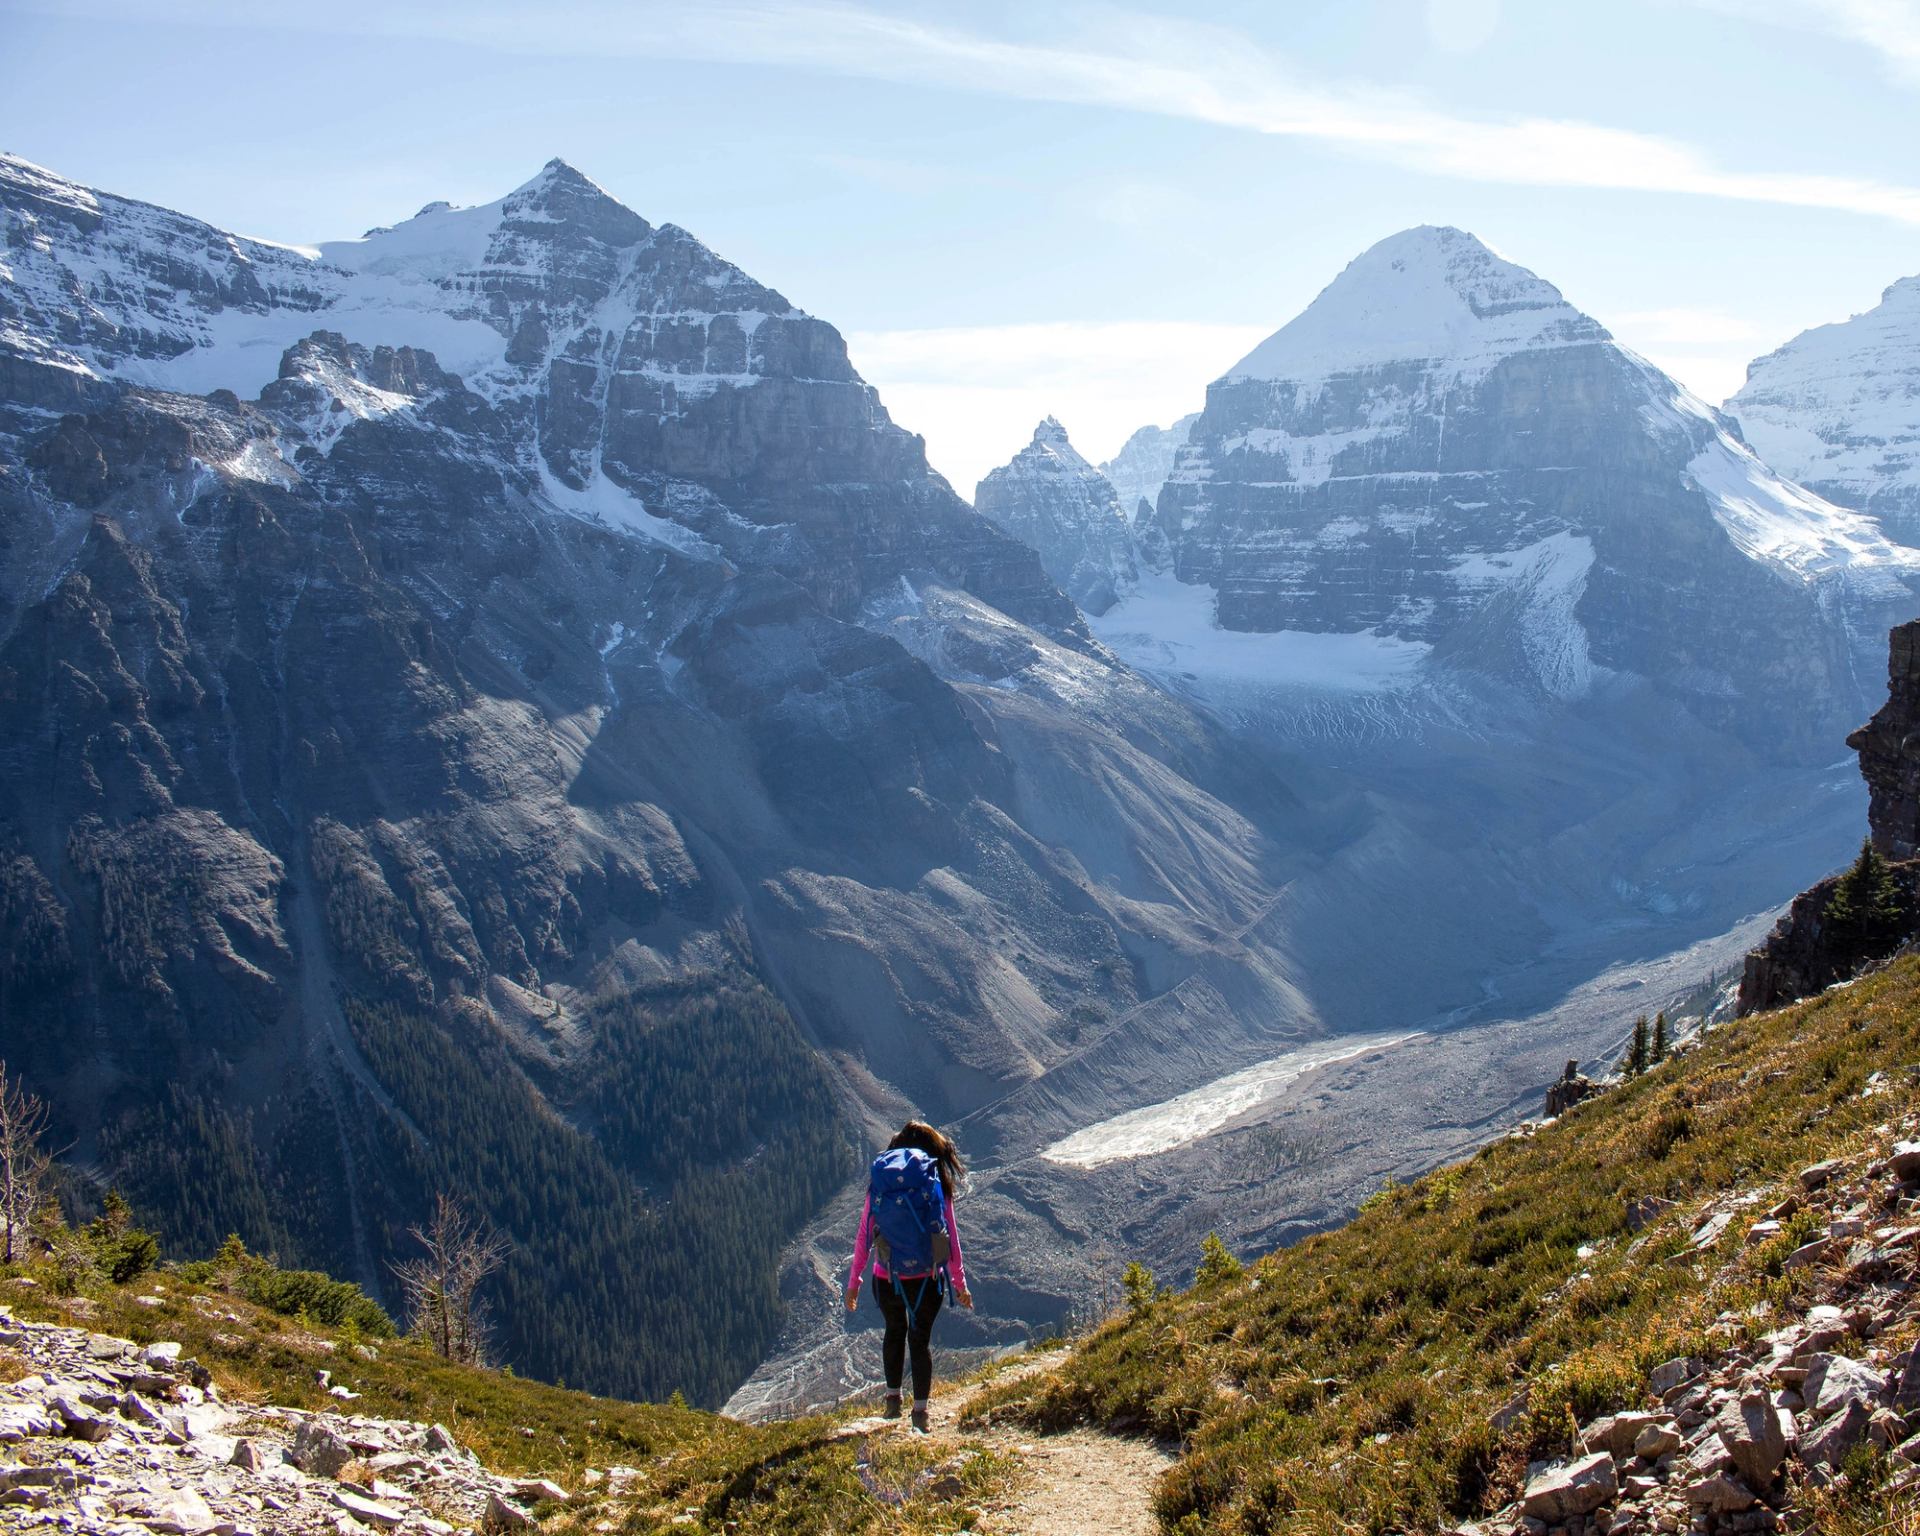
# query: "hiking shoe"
{"type": "Point", "coordinates": [890, 1406]}
{"type": "Point", "coordinates": [920, 1426]}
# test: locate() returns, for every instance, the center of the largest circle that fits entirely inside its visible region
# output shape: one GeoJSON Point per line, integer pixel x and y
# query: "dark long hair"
{"type": "Point", "coordinates": [938, 1146]}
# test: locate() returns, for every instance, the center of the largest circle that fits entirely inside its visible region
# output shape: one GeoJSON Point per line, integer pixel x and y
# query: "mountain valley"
{"type": "Point", "coordinates": [498, 705]}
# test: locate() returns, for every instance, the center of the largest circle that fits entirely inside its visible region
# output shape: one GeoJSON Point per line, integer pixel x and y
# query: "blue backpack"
{"type": "Point", "coordinates": [909, 1213]}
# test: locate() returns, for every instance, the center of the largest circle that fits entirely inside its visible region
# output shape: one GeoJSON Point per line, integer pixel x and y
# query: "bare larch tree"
{"type": "Point", "coordinates": [442, 1285]}
{"type": "Point", "coordinates": [24, 1164]}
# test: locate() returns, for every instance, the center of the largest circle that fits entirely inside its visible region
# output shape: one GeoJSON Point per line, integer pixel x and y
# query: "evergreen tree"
{"type": "Point", "coordinates": [1640, 1053]}
{"type": "Point", "coordinates": [1866, 906]}
{"type": "Point", "coordinates": [1660, 1036]}
{"type": "Point", "coordinates": [1216, 1262]}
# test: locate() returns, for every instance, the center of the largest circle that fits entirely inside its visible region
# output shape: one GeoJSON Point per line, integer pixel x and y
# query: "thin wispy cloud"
{"type": "Point", "coordinates": [1133, 64]}
{"type": "Point", "coordinates": [1891, 28]}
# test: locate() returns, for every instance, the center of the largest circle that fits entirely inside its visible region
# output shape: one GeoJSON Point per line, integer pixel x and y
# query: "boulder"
{"type": "Point", "coordinates": [1646, 1210]}
{"type": "Point", "coordinates": [1673, 1374]}
{"type": "Point", "coordinates": [1721, 1494]}
{"type": "Point", "coordinates": [1820, 1174]}
{"type": "Point", "coordinates": [1565, 1488]}
{"type": "Point", "coordinates": [1749, 1427]}
{"type": "Point", "coordinates": [77, 1420]}
{"type": "Point", "coordinates": [1905, 1161]}
{"type": "Point", "coordinates": [318, 1451]}
{"type": "Point", "coordinates": [1906, 1384]}
{"type": "Point", "coordinates": [503, 1515]}
{"type": "Point", "coordinates": [1835, 1380]}
{"type": "Point", "coordinates": [246, 1456]}
{"type": "Point", "coordinates": [178, 1512]}
{"type": "Point", "coordinates": [1656, 1440]}
{"type": "Point", "coordinates": [1828, 1445]}
{"type": "Point", "coordinates": [367, 1511]}
{"type": "Point", "coordinates": [1508, 1414]}
{"type": "Point", "coordinates": [1617, 1432]}
{"type": "Point", "coordinates": [1807, 1254]}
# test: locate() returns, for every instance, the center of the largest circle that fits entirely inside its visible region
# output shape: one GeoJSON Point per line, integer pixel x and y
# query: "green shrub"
{"type": "Point", "coordinates": [302, 1293]}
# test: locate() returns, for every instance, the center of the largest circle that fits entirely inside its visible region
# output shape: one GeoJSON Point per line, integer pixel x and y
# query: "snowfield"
{"type": "Point", "coordinates": [1167, 627]}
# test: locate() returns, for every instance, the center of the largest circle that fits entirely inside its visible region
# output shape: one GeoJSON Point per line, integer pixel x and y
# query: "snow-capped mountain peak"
{"type": "Point", "coordinates": [1050, 438]}
{"type": "Point", "coordinates": [1424, 294]}
{"type": "Point", "coordinates": [1838, 408]}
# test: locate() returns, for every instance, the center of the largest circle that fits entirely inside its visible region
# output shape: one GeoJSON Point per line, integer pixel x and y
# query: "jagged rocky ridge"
{"type": "Point", "coordinates": [1143, 463]}
{"type": "Point", "coordinates": [1838, 409]}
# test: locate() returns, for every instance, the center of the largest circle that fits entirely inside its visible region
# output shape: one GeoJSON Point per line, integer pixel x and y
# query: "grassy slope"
{"type": "Point", "coordinates": [1348, 1383]}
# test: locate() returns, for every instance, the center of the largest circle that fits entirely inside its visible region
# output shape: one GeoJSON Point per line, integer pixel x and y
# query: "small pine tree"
{"type": "Point", "coordinates": [120, 1248]}
{"type": "Point", "coordinates": [1640, 1053]}
{"type": "Point", "coordinates": [1660, 1043]}
{"type": "Point", "coordinates": [1137, 1284]}
{"type": "Point", "coordinates": [1216, 1262]}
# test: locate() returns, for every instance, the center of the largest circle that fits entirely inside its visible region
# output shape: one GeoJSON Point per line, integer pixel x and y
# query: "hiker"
{"type": "Point", "coordinates": [907, 1228]}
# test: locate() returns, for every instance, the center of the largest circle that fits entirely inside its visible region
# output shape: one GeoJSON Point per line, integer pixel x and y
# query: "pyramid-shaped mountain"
{"type": "Point", "coordinates": [1052, 499]}
{"type": "Point", "coordinates": [1442, 451]}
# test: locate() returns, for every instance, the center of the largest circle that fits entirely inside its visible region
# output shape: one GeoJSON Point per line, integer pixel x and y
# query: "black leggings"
{"type": "Point", "coordinates": [922, 1301]}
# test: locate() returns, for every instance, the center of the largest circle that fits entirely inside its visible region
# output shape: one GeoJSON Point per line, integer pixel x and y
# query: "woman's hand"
{"type": "Point", "coordinates": [853, 1300]}
{"type": "Point", "coordinates": [964, 1297]}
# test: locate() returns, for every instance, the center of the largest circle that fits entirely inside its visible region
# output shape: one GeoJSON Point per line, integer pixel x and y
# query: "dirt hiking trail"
{"type": "Point", "coordinates": [1080, 1483]}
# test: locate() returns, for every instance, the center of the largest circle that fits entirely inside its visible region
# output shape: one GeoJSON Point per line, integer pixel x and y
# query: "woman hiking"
{"type": "Point", "coordinates": [908, 1231]}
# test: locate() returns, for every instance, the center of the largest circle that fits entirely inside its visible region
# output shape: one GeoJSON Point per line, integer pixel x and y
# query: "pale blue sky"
{"type": "Point", "coordinates": [1021, 208]}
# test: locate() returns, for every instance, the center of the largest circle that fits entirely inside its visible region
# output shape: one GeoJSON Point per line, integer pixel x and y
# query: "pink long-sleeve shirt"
{"type": "Point", "coordinates": [863, 1240]}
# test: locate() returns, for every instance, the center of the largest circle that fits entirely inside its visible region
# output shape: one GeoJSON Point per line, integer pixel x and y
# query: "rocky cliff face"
{"type": "Point", "coordinates": [1053, 500]}
{"type": "Point", "coordinates": [1889, 748]}
{"type": "Point", "coordinates": [1807, 951]}
{"type": "Point", "coordinates": [1442, 452]}
{"type": "Point", "coordinates": [1838, 409]}
{"type": "Point", "coordinates": [498, 706]}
